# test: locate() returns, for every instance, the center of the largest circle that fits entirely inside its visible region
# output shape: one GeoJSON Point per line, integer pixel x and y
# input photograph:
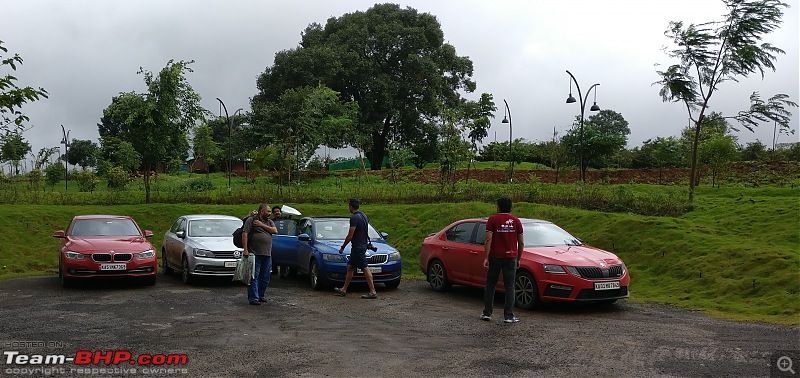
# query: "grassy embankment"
{"type": "Point", "coordinates": [730, 257]}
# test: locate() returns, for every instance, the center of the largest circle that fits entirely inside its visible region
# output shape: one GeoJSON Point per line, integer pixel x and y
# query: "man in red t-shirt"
{"type": "Point", "coordinates": [503, 246]}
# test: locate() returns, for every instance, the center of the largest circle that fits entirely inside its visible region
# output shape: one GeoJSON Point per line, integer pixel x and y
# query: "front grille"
{"type": "Point", "coordinates": [224, 255]}
{"type": "Point", "coordinates": [375, 259]}
{"type": "Point", "coordinates": [593, 295]}
{"type": "Point", "coordinates": [595, 273]}
{"type": "Point", "coordinates": [101, 257]}
{"type": "Point", "coordinates": [213, 269]}
{"type": "Point", "coordinates": [121, 257]}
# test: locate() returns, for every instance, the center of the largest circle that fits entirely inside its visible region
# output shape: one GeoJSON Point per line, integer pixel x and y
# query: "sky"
{"type": "Point", "coordinates": [84, 52]}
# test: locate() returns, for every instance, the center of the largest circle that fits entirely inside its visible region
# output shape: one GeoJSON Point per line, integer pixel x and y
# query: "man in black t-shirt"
{"type": "Point", "coordinates": [359, 236]}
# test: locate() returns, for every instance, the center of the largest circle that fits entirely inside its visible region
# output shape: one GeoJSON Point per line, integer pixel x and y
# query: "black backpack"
{"type": "Point", "coordinates": [237, 234]}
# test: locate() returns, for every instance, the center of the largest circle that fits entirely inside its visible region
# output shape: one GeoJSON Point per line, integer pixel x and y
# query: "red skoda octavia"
{"type": "Point", "coordinates": [105, 246]}
{"type": "Point", "coordinates": [555, 266]}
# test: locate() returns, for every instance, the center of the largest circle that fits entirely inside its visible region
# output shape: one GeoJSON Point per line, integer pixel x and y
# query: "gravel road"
{"type": "Point", "coordinates": [408, 332]}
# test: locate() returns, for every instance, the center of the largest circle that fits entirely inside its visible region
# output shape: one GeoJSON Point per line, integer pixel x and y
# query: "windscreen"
{"type": "Point", "coordinates": [104, 227]}
{"type": "Point", "coordinates": [336, 229]}
{"type": "Point", "coordinates": [209, 228]}
{"type": "Point", "coordinates": [542, 234]}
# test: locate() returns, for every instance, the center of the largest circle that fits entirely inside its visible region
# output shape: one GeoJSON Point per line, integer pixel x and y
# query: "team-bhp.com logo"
{"type": "Point", "coordinates": [87, 361]}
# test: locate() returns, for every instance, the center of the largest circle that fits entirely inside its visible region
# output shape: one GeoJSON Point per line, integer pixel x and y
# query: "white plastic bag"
{"type": "Point", "coordinates": [245, 268]}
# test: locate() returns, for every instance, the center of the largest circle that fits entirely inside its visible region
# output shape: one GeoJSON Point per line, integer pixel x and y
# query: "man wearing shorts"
{"type": "Point", "coordinates": [358, 252]}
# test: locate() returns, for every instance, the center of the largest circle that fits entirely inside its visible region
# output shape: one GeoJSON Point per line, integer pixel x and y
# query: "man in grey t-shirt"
{"type": "Point", "coordinates": [257, 239]}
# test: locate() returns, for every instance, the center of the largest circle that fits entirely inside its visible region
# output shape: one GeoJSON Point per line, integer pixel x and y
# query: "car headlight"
{"type": "Point", "coordinates": [74, 255]}
{"type": "Point", "coordinates": [332, 257]}
{"type": "Point", "coordinates": [203, 253]}
{"type": "Point", "coordinates": [554, 269]}
{"type": "Point", "coordinates": [146, 254]}
{"type": "Point", "coordinates": [574, 271]}
{"type": "Point", "coordinates": [394, 256]}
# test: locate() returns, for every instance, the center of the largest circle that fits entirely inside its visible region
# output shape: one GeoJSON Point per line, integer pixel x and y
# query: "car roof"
{"type": "Point", "coordinates": [209, 216]}
{"type": "Point", "coordinates": [329, 217]}
{"type": "Point", "coordinates": [101, 216]}
{"type": "Point", "coordinates": [522, 220]}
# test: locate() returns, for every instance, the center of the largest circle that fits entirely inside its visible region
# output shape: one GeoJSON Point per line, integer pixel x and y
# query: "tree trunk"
{"type": "Point", "coordinates": [693, 168]}
{"type": "Point", "coordinates": [378, 151]}
{"type": "Point", "coordinates": [147, 183]}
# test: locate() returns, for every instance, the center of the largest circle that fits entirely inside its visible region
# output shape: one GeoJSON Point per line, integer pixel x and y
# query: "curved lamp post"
{"type": "Point", "coordinates": [65, 142]}
{"type": "Point", "coordinates": [583, 101]}
{"type": "Point", "coordinates": [507, 119]}
{"type": "Point", "coordinates": [230, 135]}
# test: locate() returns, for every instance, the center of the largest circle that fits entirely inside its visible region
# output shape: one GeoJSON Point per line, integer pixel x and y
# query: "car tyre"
{"type": "Point", "coordinates": [150, 281]}
{"type": "Point", "coordinates": [316, 280]}
{"type": "Point", "coordinates": [437, 276]}
{"type": "Point", "coordinates": [392, 284]}
{"type": "Point", "coordinates": [186, 275]}
{"type": "Point", "coordinates": [65, 281]}
{"type": "Point", "coordinates": [287, 272]}
{"type": "Point", "coordinates": [526, 291]}
{"type": "Point", "coordinates": [167, 269]}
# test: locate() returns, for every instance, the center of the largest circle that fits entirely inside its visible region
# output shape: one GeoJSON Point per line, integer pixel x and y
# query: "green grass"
{"type": "Point", "coordinates": [730, 257]}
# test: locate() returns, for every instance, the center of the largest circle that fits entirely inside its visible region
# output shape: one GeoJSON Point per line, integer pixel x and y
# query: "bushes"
{"type": "Point", "coordinates": [54, 173]}
{"type": "Point", "coordinates": [197, 185]}
{"type": "Point", "coordinates": [87, 181]}
{"type": "Point", "coordinates": [117, 178]}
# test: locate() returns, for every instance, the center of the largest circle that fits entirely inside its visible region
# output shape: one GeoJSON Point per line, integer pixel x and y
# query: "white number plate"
{"type": "Point", "coordinates": [230, 264]}
{"type": "Point", "coordinates": [606, 285]}
{"type": "Point", "coordinates": [373, 269]}
{"type": "Point", "coordinates": [113, 267]}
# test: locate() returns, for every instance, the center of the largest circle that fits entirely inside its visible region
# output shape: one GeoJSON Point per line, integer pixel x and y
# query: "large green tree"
{"type": "Point", "coordinates": [204, 147]}
{"type": "Point", "coordinates": [605, 134]}
{"type": "Point", "coordinates": [82, 152]}
{"type": "Point", "coordinates": [712, 53]}
{"type": "Point", "coordinates": [156, 123]}
{"type": "Point", "coordinates": [13, 97]}
{"type": "Point", "coordinates": [13, 149]}
{"type": "Point", "coordinates": [392, 61]}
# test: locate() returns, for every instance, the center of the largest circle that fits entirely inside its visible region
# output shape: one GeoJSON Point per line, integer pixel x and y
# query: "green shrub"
{"type": "Point", "coordinates": [87, 182]}
{"type": "Point", "coordinates": [117, 178]}
{"type": "Point", "coordinates": [35, 178]}
{"type": "Point", "coordinates": [54, 173]}
{"type": "Point", "coordinates": [173, 166]}
{"type": "Point", "coordinates": [200, 184]}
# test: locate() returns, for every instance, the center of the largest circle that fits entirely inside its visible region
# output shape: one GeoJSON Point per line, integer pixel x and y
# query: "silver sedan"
{"type": "Point", "coordinates": [201, 245]}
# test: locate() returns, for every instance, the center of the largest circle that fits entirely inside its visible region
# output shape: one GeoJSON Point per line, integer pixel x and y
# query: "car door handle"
{"type": "Point", "coordinates": [445, 248]}
{"type": "Point", "coordinates": [473, 252]}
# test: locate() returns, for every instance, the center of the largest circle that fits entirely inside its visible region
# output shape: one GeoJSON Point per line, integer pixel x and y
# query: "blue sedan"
{"type": "Point", "coordinates": [310, 246]}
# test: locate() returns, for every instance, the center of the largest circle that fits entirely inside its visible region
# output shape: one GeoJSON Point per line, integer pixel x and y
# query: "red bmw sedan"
{"type": "Point", "coordinates": [555, 266]}
{"type": "Point", "coordinates": [105, 246]}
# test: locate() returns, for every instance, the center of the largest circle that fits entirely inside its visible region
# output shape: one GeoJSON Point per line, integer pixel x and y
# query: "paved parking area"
{"type": "Point", "coordinates": [408, 332]}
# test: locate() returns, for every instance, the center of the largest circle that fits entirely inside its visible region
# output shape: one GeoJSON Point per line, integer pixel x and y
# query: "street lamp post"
{"type": "Point", "coordinates": [507, 119]}
{"type": "Point", "coordinates": [65, 142]}
{"type": "Point", "coordinates": [583, 101]}
{"type": "Point", "coordinates": [230, 137]}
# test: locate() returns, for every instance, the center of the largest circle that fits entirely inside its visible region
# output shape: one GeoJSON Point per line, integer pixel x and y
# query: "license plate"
{"type": "Point", "coordinates": [373, 269]}
{"type": "Point", "coordinates": [113, 267]}
{"type": "Point", "coordinates": [606, 285]}
{"type": "Point", "coordinates": [230, 264]}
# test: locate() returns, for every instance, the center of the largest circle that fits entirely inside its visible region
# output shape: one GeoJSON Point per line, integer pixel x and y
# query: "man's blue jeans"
{"type": "Point", "coordinates": [508, 267]}
{"type": "Point", "coordinates": [261, 275]}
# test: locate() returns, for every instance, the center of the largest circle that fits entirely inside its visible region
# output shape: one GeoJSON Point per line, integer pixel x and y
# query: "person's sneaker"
{"type": "Point", "coordinates": [339, 291]}
{"type": "Point", "coordinates": [512, 320]}
{"type": "Point", "coordinates": [255, 303]}
{"type": "Point", "coordinates": [486, 317]}
{"type": "Point", "coordinates": [370, 296]}
{"type": "Point", "coordinates": [262, 300]}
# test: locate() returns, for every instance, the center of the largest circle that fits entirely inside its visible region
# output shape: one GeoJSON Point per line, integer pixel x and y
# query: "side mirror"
{"type": "Point", "coordinates": [304, 237]}
{"type": "Point", "coordinates": [384, 235]}
{"type": "Point", "coordinates": [180, 234]}
{"type": "Point", "coordinates": [148, 233]}
{"type": "Point", "coordinates": [59, 234]}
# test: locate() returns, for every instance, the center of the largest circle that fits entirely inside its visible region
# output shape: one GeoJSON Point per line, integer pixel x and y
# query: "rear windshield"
{"type": "Point", "coordinates": [104, 227]}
